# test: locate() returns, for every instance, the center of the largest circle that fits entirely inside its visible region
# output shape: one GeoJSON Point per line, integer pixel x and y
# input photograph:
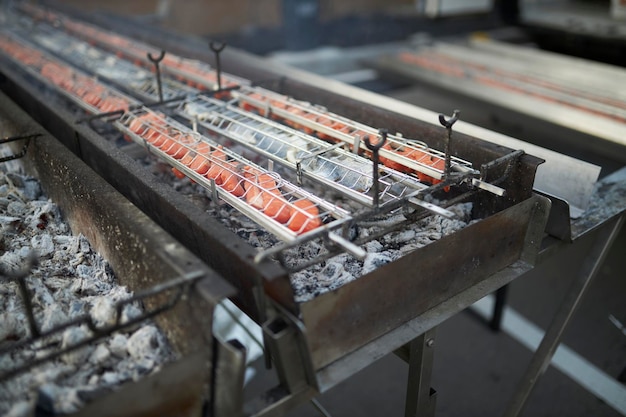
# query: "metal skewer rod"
{"type": "Point", "coordinates": [156, 61]}
{"type": "Point", "coordinates": [375, 147]}
{"type": "Point", "coordinates": [217, 48]}
{"type": "Point", "coordinates": [447, 123]}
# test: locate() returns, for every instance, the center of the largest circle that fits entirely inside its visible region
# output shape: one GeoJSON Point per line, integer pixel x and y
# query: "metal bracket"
{"type": "Point", "coordinates": [286, 336]}
{"type": "Point", "coordinates": [419, 354]}
{"type": "Point", "coordinates": [433, 208]}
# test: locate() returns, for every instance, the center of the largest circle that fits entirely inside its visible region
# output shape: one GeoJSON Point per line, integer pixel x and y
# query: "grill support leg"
{"type": "Point", "coordinates": [542, 357]}
{"type": "Point", "coordinates": [498, 308]}
{"type": "Point", "coordinates": [228, 380]}
{"type": "Point", "coordinates": [420, 397]}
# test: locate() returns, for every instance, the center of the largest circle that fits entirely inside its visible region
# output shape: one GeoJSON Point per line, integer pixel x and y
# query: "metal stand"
{"type": "Point", "coordinates": [550, 342]}
{"type": "Point", "coordinates": [498, 308]}
{"type": "Point", "coordinates": [419, 354]}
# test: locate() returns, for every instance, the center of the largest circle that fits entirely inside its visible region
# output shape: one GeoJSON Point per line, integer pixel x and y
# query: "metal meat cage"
{"type": "Point", "coordinates": [275, 204]}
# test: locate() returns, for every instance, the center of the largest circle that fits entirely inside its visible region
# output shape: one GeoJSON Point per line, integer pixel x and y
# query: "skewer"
{"type": "Point", "coordinates": [448, 125]}
{"type": "Point", "coordinates": [375, 147]}
{"type": "Point", "coordinates": [217, 48]}
{"type": "Point", "coordinates": [156, 61]}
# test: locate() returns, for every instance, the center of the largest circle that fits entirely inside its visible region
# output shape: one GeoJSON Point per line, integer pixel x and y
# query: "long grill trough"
{"type": "Point", "coordinates": [74, 315]}
{"type": "Point", "coordinates": [350, 232]}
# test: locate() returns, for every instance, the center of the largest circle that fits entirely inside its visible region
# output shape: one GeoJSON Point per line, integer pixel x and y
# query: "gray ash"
{"type": "Point", "coordinates": [342, 269]}
{"type": "Point", "coordinates": [70, 280]}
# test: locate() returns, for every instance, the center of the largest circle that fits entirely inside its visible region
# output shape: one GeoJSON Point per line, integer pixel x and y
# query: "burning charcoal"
{"type": "Point", "coordinates": [404, 236]}
{"type": "Point", "coordinates": [375, 260]}
{"type": "Point", "coordinates": [373, 246]}
{"type": "Point", "coordinates": [17, 209]}
{"type": "Point", "coordinates": [13, 261]}
{"type": "Point", "coordinates": [71, 337]}
{"type": "Point", "coordinates": [130, 312]}
{"type": "Point", "coordinates": [83, 244]}
{"type": "Point", "coordinates": [52, 317]}
{"type": "Point", "coordinates": [103, 312]}
{"type": "Point", "coordinates": [77, 308]}
{"type": "Point", "coordinates": [20, 409]}
{"type": "Point", "coordinates": [11, 329]}
{"type": "Point", "coordinates": [42, 213]}
{"type": "Point", "coordinates": [27, 186]}
{"type": "Point", "coordinates": [142, 367]}
{"type": "Point", "coordinates": [334, 273]}
{"type": "Point", "coordinates": [40, 294]}
{"type": "Point", "coordinates": [100, 355]}
{"type": "Point", "coordinates": [463, 211]}
{"type": "Point", "coordinates": [118, 344]}
{"type": "Point", "coordinates": [111, 378]}
{"type": "Point", "coordinates": [144, 343]}
{"type": "Point", "coordinates": [43, 245]}
{"type": "Point", "coordinates": [9, 222]}
{"type": "Point", "coordinates": [87, 285]}
{"type": "Point", "coordinates": [4, 203]}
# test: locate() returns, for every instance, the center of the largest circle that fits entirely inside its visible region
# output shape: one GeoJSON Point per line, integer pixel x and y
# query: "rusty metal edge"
{"type": "Point", "coordinates": [405, 289]}
{"type": "Point", "coordinates": [335, 372]}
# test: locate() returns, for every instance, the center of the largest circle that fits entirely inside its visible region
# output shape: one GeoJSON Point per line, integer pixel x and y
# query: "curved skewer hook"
{"type": "Point", "coordinates": [447, 123]}
{"type": "Point", "coordinates": [156, 62]}
{"type": "Point", "coordinates": [158, 58]}
{"type": "Point", "coordinates": [375, 147]}
{"type": "Point", "coordinates": [217, 48]}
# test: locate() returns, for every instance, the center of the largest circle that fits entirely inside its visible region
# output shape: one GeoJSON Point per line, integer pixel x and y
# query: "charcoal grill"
{"type": "Point", "coordinates": [317, 343]}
